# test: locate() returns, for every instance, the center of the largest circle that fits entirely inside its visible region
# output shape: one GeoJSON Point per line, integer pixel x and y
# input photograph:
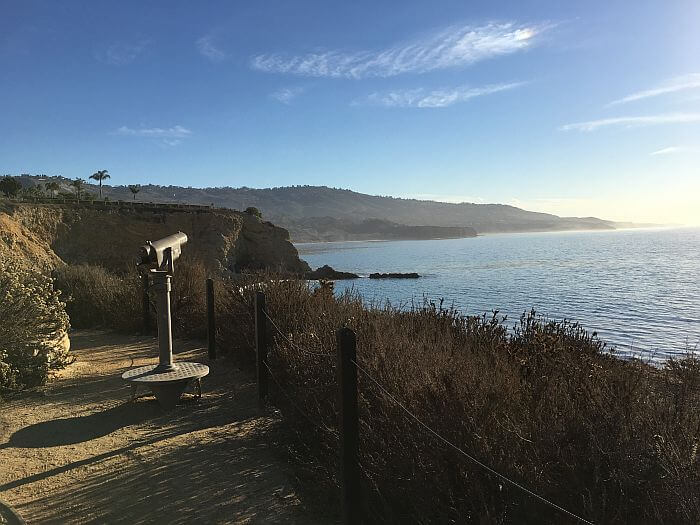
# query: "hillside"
{"type": "Point", "coordinates": [49, 235]}
{"type": "Point", "coordinates": [296, 208]}
{"type": "Point", "coordinates": [319, 229]}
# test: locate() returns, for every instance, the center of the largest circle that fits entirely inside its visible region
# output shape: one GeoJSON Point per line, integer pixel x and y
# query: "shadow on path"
{"type": "Point", "coordinates": [80, 454]}
{"type": "Point", "coordinates": [72, 430]}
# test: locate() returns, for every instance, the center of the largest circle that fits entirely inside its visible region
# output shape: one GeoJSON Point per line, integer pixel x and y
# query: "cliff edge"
{"type": "Point", "coordinates": [109, 234]}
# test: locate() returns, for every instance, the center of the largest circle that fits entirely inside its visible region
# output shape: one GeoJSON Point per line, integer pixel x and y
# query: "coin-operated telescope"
{"type": "Point", "coordinates": [167, 380]}
{"type": "Point", "coordinates": [162, 254]}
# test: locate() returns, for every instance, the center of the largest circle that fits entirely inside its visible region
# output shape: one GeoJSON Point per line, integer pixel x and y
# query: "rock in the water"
{"type": "Point", "coordinates": [394, 276]}
{"type": "Point", "coordinates": [326, 272]}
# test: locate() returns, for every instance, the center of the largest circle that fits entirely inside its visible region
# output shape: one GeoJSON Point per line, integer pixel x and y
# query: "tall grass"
{"type": "Point", "coordinates": [541, 402]}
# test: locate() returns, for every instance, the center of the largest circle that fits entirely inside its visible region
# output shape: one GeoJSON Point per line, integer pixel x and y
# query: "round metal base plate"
{"type": "Point", "coordinates": [183, 370]}
{"type": "Point", "coordinates": [166, 386]}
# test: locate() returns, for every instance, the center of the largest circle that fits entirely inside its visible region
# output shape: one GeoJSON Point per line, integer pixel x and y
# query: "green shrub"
{"type": "Point", "coordinates": [252, 210]}
{"type": "Point", "coordinates": [10, 186]}
{"type": "Point", "coordinates": [33, 324]}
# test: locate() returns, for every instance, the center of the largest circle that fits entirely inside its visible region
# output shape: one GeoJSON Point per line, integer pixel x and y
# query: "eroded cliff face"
{"type": "Point", "coordinates": [47, 235]}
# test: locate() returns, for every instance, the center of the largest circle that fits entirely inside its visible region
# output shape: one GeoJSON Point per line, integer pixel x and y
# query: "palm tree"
{"type": "Point", "coordinates": [78, 185]}
{"type": "Point", "coordinates": [52, 187]}
{"type": "Point", "coordinates": [134, 189]}
{"type": "Point", "coordinates": [99, 176]}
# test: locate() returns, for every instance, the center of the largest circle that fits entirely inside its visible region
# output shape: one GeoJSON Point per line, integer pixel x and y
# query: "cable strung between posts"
{"type": "Point", "coordinates": [298, 349]}
{"type": "Point", "coordinates": [465, 454]}
{"type": "Point", "coordinates": [295, 405]}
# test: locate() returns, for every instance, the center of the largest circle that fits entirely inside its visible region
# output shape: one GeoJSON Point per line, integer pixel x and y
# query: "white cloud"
{"type": "Point", "coordinates": [176, 132]}
{"type": "Point", "coordinates": [439, 98]}
{"type": "Point", "coordinates": [667, 151]}
{"type": "Point", "coordinates": [674, 149]}
{"type": "Point", "coordinates": [649, 120]}
{"type": "Point", "coordinates": [206, 47]}
{"type": "Point", "coordinates": [169, 137]}
{"type": "Point", "coordinates": [682, 83]}
{"type": "Point", "coordinates": [122, 53]}
{"type": "Point", "coordinates": [452, 47]}
{"type": "Point", "coordinates": [286, 95]}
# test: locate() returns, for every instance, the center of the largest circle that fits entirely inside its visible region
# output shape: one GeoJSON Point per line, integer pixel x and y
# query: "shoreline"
{"type": "Point", "coordinates": [599, 230]}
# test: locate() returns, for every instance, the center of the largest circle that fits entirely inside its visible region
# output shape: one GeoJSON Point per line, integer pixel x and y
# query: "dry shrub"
{"type": "Point", "coordinates": [189, 299]}
{"type": "Point", "coordinates": [97, 297]}
{"type": "Point", "coordinates": [544, 404]}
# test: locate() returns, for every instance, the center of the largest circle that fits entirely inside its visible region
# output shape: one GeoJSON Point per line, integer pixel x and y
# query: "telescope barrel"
{"type": "Point", "coordinates": [152, 253]}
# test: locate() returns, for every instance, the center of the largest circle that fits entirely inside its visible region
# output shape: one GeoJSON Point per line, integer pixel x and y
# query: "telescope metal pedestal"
{"type": "Point", "coordinates": [167, 380]}
{"type": "Point", "coordinates": [166, 386]}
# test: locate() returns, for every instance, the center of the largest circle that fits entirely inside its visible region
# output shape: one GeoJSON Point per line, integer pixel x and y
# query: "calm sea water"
{"type": "Point", "coordinates": [639, 289]}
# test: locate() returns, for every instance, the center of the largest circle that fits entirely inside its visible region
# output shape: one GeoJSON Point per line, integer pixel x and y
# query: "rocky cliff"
{"type": "Point", "coordinates": [48, 235]}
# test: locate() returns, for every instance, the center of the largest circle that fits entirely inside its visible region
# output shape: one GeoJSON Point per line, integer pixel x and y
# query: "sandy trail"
{"type": "Point", "coordinates": [78, 452]}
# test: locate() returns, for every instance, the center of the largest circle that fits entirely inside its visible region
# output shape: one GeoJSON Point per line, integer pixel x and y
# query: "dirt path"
{"type": "Point", "coordinates": [77, 452]}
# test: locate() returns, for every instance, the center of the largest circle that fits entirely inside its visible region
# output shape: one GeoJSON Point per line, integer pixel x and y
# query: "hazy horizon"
{"type": "Point", "coordinates": [578, 110]}
{"type": "Point", "coordinates": [420, 197]}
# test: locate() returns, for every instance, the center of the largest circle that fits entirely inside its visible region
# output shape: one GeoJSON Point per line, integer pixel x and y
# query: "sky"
{"type": "Point", "coordinates": [574, 108]}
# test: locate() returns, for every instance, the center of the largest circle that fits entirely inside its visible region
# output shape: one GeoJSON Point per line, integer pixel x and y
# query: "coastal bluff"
{"type": "Point", "coordinates": [47, 235]}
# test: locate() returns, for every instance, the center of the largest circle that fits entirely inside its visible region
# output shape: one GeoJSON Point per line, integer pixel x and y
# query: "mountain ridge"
{"type": "Point", "coordinates": [296, 208]}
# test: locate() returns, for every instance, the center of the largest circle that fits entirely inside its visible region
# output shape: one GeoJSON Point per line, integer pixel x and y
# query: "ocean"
{"type": "Point", "coordinates": [639, 289]}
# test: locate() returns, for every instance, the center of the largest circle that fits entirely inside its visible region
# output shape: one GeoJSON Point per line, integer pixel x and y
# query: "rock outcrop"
{"type": "Point", "coordinates": [328, 273]}
{"type": "Point", "coordinates": [48, 235]}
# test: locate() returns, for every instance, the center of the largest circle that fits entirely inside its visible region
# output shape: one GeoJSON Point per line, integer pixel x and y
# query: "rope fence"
{"type": "Point", "coordinates": [465, 454]}
{"type": "Point", "coordinates": [298, 408]}
{"type": "Point", "coordinates": [348, 415]}
{"type": "Point", "coordinates": [290, 343]}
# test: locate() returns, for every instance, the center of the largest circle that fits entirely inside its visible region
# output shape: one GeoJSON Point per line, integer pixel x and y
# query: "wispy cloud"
{"type": "Point", "coordinates": [166, 136]}
{"type": "Point", "coordinates": [649, 120]}
{"type": "Point", "coordinates": [207, 48]}
{"type": "Point", "coordinates": [674, 149]}
{"type": "Point", "coordinates": [122, 53]}
{"type": "Point", "coordinates": [439, 98]}
{"type": "Point", "coordinates": [667, 151]}
{"type": "Point", "coordinates": [682, 83]}
{"type": "Point", "coordinates": [452, 47]}
{"type": "Point", "coordinates": [286, 95]}
{"type": "Point", "coordinates": [174, 132]}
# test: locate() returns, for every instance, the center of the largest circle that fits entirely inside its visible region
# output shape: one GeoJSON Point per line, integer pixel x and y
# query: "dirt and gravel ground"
{"type": "Point", "coordinates": [78, 452]}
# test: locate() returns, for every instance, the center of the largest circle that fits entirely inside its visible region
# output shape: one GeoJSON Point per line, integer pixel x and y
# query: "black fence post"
{"type": "Point", "coordinates": [261, 347]}
{"type": "Point", "coordinates": [348, 424]}
{"type": "Point", "coordinates": [145, 304]}
{"type": "Point", "coordinates": [211, 319]}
